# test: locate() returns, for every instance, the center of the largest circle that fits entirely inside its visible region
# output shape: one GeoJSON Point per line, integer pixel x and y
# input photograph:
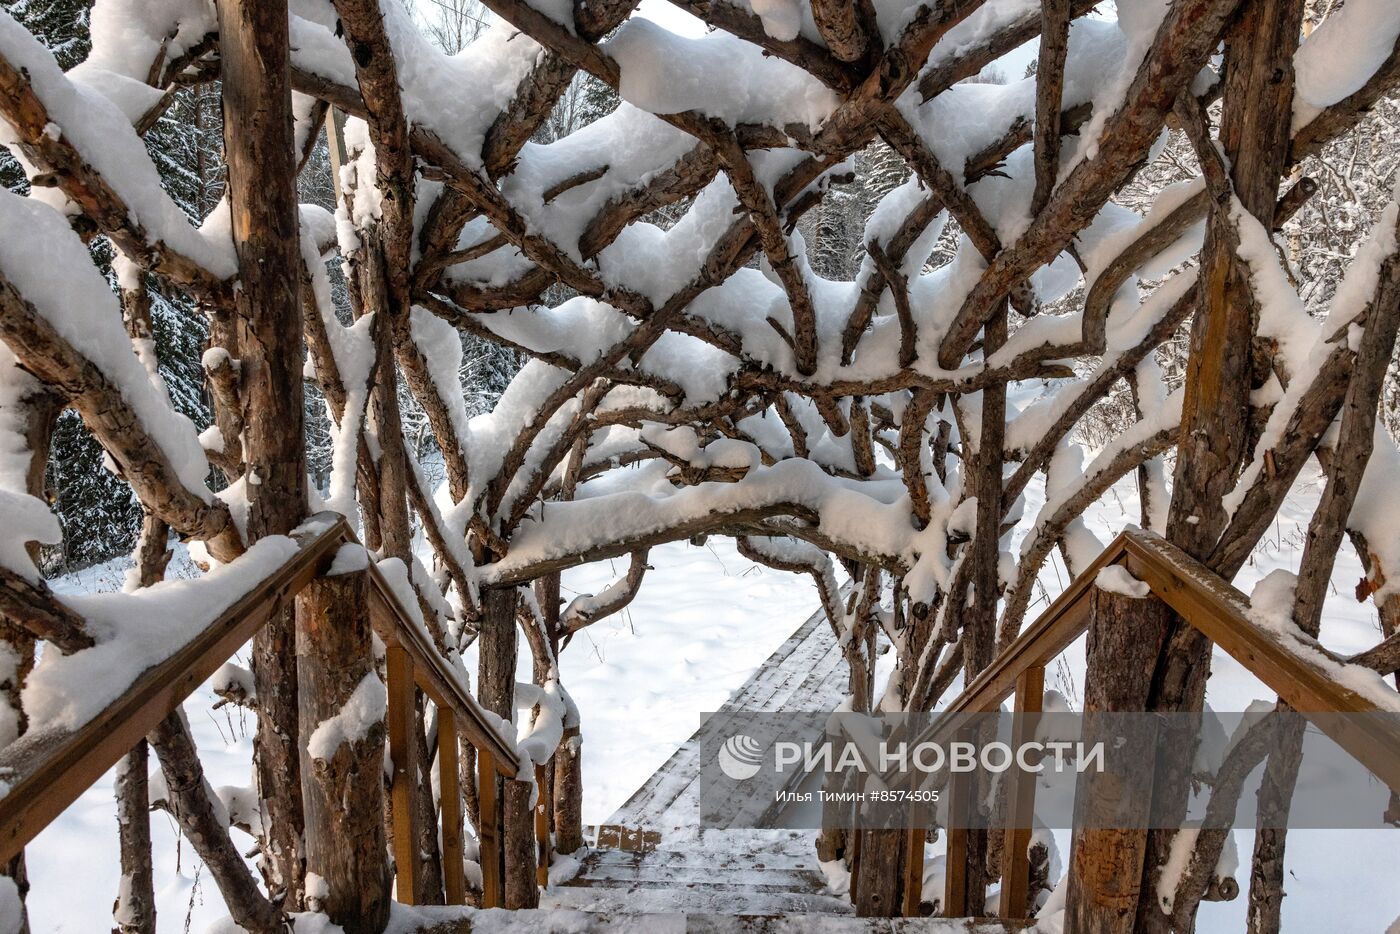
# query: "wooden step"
{"type": "Point", "coordinates": [700, 859]}
{"type": "Point", "coordinates": [717, 899]}
{"type": "Point", "coordinates": [420, 920]}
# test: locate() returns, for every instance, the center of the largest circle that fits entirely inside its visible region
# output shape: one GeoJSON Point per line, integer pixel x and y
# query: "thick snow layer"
{"type": "Point", "coordinates": [718, 75]}
{"type": "Point", "coordinates": [103, 134]}
{"type": "Point", "coordinates": [137, 630]}
{"type": "Point", "coordinates": [967, 118]}
{"type": "Point", "coordinates": [629, 146]}
{"type": "Point", "coordinates": [80, 306]}
{"type": "Point", "coordinates": [782, 19]}
{"type": "Point", "coordinates": [363, 709]}
{"type": "Point", "coordinates": [128, 35]}
{"type": "Point", "coordinates": [1341, 55]}
{"type": "Point", "coordinates": [1116, 579]}
{"type": "Point", "coordinates": [492, 67]}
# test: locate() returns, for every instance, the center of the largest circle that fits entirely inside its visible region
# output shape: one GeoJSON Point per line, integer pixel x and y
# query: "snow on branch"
{"type": "Point", "coordinates": [67, 331]}
{"type": "Point", "coordinates": [586, 609]}
{"type": "Point", "coordinates": [86, 148]}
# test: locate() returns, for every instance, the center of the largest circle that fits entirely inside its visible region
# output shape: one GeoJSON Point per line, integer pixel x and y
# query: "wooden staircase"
{"type": "Point", "coordinates": [671, 866]}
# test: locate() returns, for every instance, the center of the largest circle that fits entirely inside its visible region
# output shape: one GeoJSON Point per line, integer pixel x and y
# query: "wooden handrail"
{"type": "Point", "coordinates": [48, 769]}
{"type": "Point", "coordinates": [1296, 669]}
{"type": "Point", "coordinates": [1221, 612]}
{"type": "Point", "coordinates": [433, 675]}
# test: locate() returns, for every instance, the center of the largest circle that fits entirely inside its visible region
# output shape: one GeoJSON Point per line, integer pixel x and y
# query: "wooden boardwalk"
{"type": "Point", "coordinates": [806, 673]}
{"type": "Point", "coordinates": [749, 872]}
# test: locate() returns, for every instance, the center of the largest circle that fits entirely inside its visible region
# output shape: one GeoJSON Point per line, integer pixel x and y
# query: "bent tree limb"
{"type": "Point", "coordinates": [192, 804]}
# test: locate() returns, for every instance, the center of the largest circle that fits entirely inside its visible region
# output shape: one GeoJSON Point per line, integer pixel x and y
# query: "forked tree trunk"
{"type": "Point", "coordinates": [343, 789]}
{"type": "Point", "coordinates": [259, 149]}
{"type": "Point", "coordinates": [1216, 434]}
{"type": "Point", "coordinates": [429, 876]}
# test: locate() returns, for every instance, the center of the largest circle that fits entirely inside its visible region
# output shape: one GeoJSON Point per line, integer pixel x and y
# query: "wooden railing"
{"type": "Point", "coordinates": [48, 769]}
{"type": "Point", "coordinates": [1205, 601]}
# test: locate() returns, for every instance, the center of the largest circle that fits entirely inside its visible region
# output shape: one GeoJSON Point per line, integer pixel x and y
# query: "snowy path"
{"type": "Point", "coordinates": [805, 673]}
{"type": "Point", "coordinates": [729, 872]}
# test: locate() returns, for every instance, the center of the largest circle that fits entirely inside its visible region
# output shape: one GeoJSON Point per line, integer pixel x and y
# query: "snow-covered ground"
{"type": "Point", "coordinates": [704, 620]}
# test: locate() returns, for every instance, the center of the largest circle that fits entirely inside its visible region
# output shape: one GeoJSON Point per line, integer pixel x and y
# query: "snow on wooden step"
{"type": "Point", "coordinates": [695, 899]}
{"type": "Point", "coordinates": [706, 854]}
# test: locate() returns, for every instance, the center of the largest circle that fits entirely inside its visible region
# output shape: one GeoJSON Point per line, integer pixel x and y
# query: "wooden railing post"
{"type": "Point", "coordinates": [1016, 895]}
{"type": "Point", "coordinates": [955, 876]}
{"type": "Point", "coordinates": [402, 726]}
{"type": "Point", "coordinates": [488, 831]}
{"type": "Point", "coordinates": [853, 841]}
{"type": "Point", "coordinates": [450, 792]}
{"type": "Point", "coordinates": [914, 871]}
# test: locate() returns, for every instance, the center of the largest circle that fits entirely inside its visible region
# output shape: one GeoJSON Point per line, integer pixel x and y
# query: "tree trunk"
{"type": "Point", "coordinates": [191, 802]}
{"type": "Point", "coordinates": [429, 875]}
{"type": "Point", "coordinates": [979, 620]}
{"type": "Point", "coordinates": [343, 789]}
{"type": "Point", "coordinates": [259, 150]}
{"type": "Point", "coordinates": [519, 847]}
{"type": "Point", "coordinates": [568, 792]}
{"type": "Point", "coordinates": [470, 798]}
{"type": "Point", "coordinates": [880, 874]}
{"type": "Point", "coordinates": [1124, 640]}
{"type": "Point", "coordinates": [135, 911]}
{"type": "Point", "coordinates": [496, 648]}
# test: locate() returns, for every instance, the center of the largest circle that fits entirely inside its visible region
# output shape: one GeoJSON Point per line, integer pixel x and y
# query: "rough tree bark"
{"type": "Point", "coordinates": [980, 617]}
{"type": "Point", "coordinates": [343, 787]}
{"type": "Point", "coordinates": [429, 878]}
{"type": "Point", "coordinates": [568, 792]}
{"type": "Point", "coordinates": [135, 910]}
{"type": "Point", "coordinates": [259, 148]}
{"type": "Point", "coordinates": [495, 687]}
{"type": "Point", "coordinates": [519, 846]}
{"type": "Point", "coordinates": [1125, 637]}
